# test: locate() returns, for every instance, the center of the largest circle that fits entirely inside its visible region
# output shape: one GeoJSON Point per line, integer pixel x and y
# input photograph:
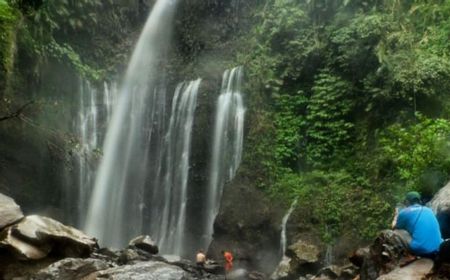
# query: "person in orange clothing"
{"type": "Point", "coordinates": [228, 261]}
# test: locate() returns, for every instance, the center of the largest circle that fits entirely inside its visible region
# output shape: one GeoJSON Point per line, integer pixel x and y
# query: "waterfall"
{"type": "Point", "coordinates": [227, 144]}
{"type": "Point", "coordinates": [117, 205]}
{"type": "Point", "coordinates": [283, 239]}
{"type": "Point", "coordinates": [169, 226]}
{"type": "Point", "coordinates": [94, 108]}
{"type": "Point", "coordinates": [284, 265]}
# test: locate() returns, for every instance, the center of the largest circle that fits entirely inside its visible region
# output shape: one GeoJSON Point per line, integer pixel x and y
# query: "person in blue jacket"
{"type": "Point", "coordinates": [421, 223]}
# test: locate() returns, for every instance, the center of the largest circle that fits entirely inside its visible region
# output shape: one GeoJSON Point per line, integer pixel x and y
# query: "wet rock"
{"type": "Point", "coordinates": [238, 274]}
{"type": "Point", "coordinates": [106, 254]}
{"type": "Point", "coordinates": [329, 272]}
{"type": "Point", "coordinates": [256, 275]}
{"type": "Point", "coordinates": [251, 231]}
{"type": "Point", "coordinates": [21, 249]}
{"type": "Point", "coordinates": [414, 271]}
{"type": "Point", "coordinates": [348, 272]}
{"type": "Point", "coordinates": [357, 257]}
{"type": "Point", "coordinates": [128, 256]}
{"type": "Point", "coordinates": [10, 211]}
{"type": "Point", "coordinates": [441, 200]}
{"type": "Point", "coordinates": [13, 269]}
{"type": "Point", "coordinates": [303, 253]}
{"type": "Point", "coordinates": [145, 242]}
{"type": "Point", "coordinates": [283, 269]}
{"type": "Point", "coordinates": [441, 206]}
{"type": "Point", "coordinates": [145, 271]}
{"type": "Point", "coordinates": [301, 258]}
{"type": "Point", "coordinates": [71, 269]}
{"type": "Point", "coordinates": [34, 237]}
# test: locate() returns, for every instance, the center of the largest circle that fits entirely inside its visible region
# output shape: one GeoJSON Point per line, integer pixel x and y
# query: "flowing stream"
{"type": "Point", "coordinates": [117, 206]}
{"type": "Point", "coordinates": [283, 239]}
{"type": "Point", "coordinates": [227, 144]}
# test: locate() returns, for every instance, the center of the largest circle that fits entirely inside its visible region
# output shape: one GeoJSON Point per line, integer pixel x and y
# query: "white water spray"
{"type": "Point", "coordinates": [227, 144]}
{"type": "Point", "coordinates": [117, 204]}
{"type": "Point", "coordinates": [93, 109]}
{"type": "Point", "coordinates": [169, 225]}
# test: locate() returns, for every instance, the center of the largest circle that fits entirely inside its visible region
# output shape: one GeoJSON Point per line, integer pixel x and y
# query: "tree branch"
{"type": "Point", "coordinates": [17, 113]}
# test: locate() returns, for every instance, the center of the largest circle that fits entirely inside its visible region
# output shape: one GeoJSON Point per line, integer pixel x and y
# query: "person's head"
{"type": "Point", "coordinates": [412, 198]}
{"type": "Point", "coordinates": [200, 251]}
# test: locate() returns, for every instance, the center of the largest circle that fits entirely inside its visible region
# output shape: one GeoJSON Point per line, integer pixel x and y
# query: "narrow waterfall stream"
{"type": "Point", "coordinates": [117, 205]}
{"type": "Point", "coordinates": [168, 225]}
{"type": "Point", "coordinates": [283, 239]}
{"type": "Point", "coordinates": [281, 270]}
{"type": "Point", "coordinates": [94, 109]}
{"type": "Point", "coordinates": [227, 144]}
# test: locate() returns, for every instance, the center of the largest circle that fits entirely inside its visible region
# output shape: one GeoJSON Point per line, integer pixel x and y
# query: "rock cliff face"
{"type": "Point", "coordinates": [248, 225]}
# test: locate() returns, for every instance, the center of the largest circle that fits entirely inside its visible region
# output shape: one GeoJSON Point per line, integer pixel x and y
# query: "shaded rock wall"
{"type": "Point", "coordinates": [248, 225]}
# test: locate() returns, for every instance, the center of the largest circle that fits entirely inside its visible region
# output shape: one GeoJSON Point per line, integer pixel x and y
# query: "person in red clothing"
{"type": "Point", "coordinates": [228, 261]}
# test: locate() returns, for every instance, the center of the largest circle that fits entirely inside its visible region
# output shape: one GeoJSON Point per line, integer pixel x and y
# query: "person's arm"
{"type": "Point", "coordinates": [400, 221]}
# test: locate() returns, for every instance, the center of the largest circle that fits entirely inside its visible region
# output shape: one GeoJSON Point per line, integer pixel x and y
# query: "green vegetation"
{"type": "Point", "coordinates": [359, 93]}
{"type": "Point", "coordinates": [348, 98]}
{"type": "Point", "coordinates": [40, 35]}
{"type": "Point", "coordinates": [8, 21]}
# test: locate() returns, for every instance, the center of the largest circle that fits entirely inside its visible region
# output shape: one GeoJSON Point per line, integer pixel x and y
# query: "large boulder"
{"type": "Point", "coordinates": [71, 269]}
{"type": "Point", "coordinates": [10, 211]}
{"type": "Point", "coordinates": [301, 258]}
{"type": "Point", "coordinates": [303, 252]}
{"type": "Point", "coordinates": [21, 249]}
{"type": "Point", "coordinates": [145, 271]}
{"type": "Point", "coordinates": [441, 206]}
{"type": "Point", "coordinates": [145, 242]}
{"type": "Point", "coordinates": [36, 236]}
{"type": "Point", "coordinates": [441, 200]}
{"type": "Point", "coordinates": [414, 271]}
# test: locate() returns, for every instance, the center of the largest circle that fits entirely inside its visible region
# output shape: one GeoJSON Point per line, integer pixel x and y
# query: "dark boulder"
{"type": "Point", "coordinates": [145, 242]}
{"type": "Point", "coordinates": [251, 231]}
{"type": "Point", "coordinates": [71, 269]}
{"type": "Point", "coordinates": [145, 271]}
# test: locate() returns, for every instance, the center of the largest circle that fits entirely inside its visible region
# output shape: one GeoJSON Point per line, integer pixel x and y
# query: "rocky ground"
{"type": "Point", "coordinates": [40, 248]}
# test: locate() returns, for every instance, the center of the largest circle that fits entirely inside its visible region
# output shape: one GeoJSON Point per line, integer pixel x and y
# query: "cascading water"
{"type": "Point", "coordinates": [227, 144]}
{"type": "Point", "coordinates": [93, 110]}
{"type": "Point", "coordinates": [168, 225]}
{"type": "Point", "coordinates": [283, 266]}
{"type": "Point", "coordinates": [283, 239]}
{"type": "Point", "coordinates": [117, 206]}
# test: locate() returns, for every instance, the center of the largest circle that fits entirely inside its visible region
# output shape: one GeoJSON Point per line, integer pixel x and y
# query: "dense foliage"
{"type": "Point", "coordinates": [359, 92]}
{"type": "Point", "coordinates": [8, 20]}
